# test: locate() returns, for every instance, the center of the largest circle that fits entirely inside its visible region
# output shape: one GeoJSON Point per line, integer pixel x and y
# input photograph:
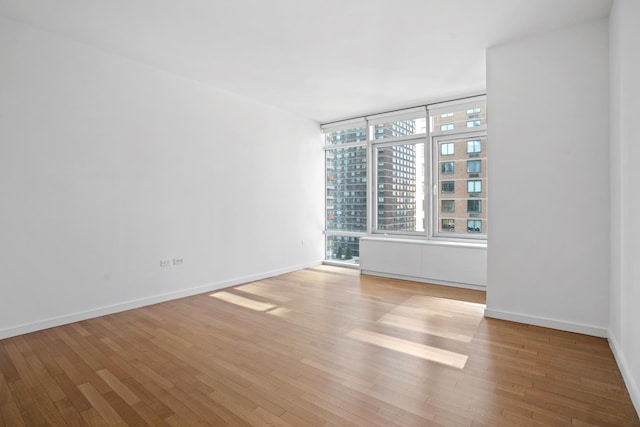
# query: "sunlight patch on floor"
{"type": "Point", "coordinates": [242, 301]}
{"type": "Point", "coordinates": [418, 325]}
{"type": "Point", "coordinates": [261, 291]}
{"type": "Point", "coordinates": [279, 311]}
{"type": "Point", "coordinates": [445, 305]}
{"type": "Point", "coordinates": [434, 354]}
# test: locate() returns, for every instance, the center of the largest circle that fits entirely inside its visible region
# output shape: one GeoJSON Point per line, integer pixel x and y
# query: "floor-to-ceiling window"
{"type": "Point", "coordinates": [418, 173]}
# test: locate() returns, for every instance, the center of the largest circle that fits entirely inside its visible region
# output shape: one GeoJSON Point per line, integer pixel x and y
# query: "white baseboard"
{"type": "Point", "coordinates": [630, 382]}
{"type": "Point", "coordinates": [425, 280]}
{"type": "Point", "coordinates": [142, 302]}
{"type": "Point", "coordinates": [548, 323]}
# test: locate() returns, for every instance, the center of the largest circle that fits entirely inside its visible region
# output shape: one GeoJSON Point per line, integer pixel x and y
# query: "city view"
{"type": "Point", "coordinates": [458, 153]}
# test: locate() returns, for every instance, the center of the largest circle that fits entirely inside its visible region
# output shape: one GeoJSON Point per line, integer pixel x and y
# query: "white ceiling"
{"type": "Point", "coordinates": [325, 60]}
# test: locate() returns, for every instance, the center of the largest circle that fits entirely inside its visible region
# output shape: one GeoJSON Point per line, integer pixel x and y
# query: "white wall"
{"type": "Point", "coordinates": [108, 166]}
{"type": "Point", "coordinates": [548, 252]}
{"type": "Point", "coordinates": [624, 332]}
{"type": "Point", "coordinates": [425, 261]}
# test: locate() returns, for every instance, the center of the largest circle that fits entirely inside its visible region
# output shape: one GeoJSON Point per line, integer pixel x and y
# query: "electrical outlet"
{"type": "Point", "coordinates": [165, 263]}
{"type": "Point", "coordinates": [178, 261]}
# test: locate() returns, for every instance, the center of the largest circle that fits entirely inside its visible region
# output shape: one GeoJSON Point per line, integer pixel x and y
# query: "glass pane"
{"type": "Point", "coordinates": [474, 186]}
{"type": "Point", "coordinates": [446, 149]}
{"type": "Point", "coordinates": [448, 205]}
{"type": "Point", "coordinates": [346, 189]}
{"type": "Point", "coordinates": [461, 205]}
{"type": "Point", "coordinates": [398, 129]}
{"type": "Point", "coordinates": [474, 226]}
{"type": "Point", "coordinates": [448, 186]}
{"type": "Point", "coordinates": [474, 146]}
{"type": "Point", "coordinates": [447, 168]}
{"type": "Point", "coordinates": [473, 166]}
{"type": "Point", "coordinates": [343, 248]}
{"type": "Point", "coordinates": [459, 119]}
{"type": "Point", "coordinates": [448, 224]}
{"type": "Point", "coordinates": [346, 136]}
{"type": "Point", "coordinates": [400, 198]}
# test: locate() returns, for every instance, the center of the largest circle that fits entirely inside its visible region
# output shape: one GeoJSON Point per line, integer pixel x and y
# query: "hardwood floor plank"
{"type": "Point", "coordinates": [70, 414]}
{"type": "Point", "coordinates": [98, 402]}
{"type": "Point", "coordinates": [11, 415]}
{"type": "Point", "coordinates": [318, 347]}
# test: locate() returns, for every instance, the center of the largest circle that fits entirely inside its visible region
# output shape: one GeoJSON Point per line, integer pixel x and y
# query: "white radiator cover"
{"type": "Point", "coordinates": [446, 263]}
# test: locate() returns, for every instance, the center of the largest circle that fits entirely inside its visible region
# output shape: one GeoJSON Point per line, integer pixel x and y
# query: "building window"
{"type": "Point", "coordinates": [474, 166]}
{"type": "Point", "coordinates": [474, 146]}
{"type": "Point", "coordinates": [444, 116]}
{"type": "Point", "coordinates": [474, 226]}
{"type": "Point", "coordinates": [473, 113]}
{"type": "Point", "coordinates": [474, 123]}
{"type": "Point", "coordinates": [446, 126]}
{"type": "Point", "coordinates": [446, 168]}
{"type": "Point", "coordinates": [474, 206]}
{"type": "Point", "coordinates": [474, 186]}
{"type": "Point", "coordinates": [447, 224]}
{"type": "Point", "coordinates": [448, 186]}
{"type": "Point", "coordinates": [448, 206]}
{"type": "Point", "coordinates": [446, 149]}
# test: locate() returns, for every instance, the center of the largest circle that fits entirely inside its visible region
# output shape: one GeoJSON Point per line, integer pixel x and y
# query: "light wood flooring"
{"type": "Point", "coordinates": [318, 347]}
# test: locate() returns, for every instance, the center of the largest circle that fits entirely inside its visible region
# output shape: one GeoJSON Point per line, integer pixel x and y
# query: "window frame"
{"type": "Point", "coordinates": [344, 125]}
{"type": "Point", "coordinates": [479, 141]}
{"type": "Point", "coordinates": [391, 142]}
{"type": "Point", "coordinates": [475, 162]}
{"type": "Point", "coordinates": [474, 181]}
{"type": "Point", "coordinates": [436, 139]}
{"type": "Point", "coordinates": [428, 180]}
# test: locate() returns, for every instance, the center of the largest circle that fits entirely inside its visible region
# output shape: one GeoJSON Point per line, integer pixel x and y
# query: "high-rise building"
{"type": "Point", "coordinates": [396, 179]}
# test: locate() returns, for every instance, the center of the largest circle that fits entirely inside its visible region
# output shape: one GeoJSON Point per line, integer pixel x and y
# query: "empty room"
{"type": "Point", "coordinates": [319, 213]}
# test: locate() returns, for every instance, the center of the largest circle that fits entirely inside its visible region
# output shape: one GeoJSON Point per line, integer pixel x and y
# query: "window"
{"type": "Point", "coordinates": [469, 130]}
{"type": "Point", "coordinates": [474, 166]}
{"type": "Point", "coordinates": [473, 113]}
{"type": "Point", "coordinates": [474, 226]}
{"type": "Point", "coordinates": [448, 186]}
{"type": "Point", "coordinates": [474, 146]}
{"type": "Point", "coordinates": [343, 248]}
{"type": "Point", "coordinates": [474, 186]}
{"type": "Point", "coordinates": [346, 136]}
{"type": "Point", "coordinates": [400, 204]}
{"type": "Point", "coordinates": [404, 128]}
{"type": "Point", "coordinates": [413, 155]}
{"type": "Point", "coordinates": [446, 168]}
{"type": "Point", "coordinates": [448, 206]}
{"type": "Point", "coordinates": [447, 224]}
{"type": "Point", "coordinates": [399, 159]}
{"type": "Point", "coordinates": [446, 149]}
{"type": "Point", "coordinates": [474, 205]}
{"type": "Point", "coordinates": [345, 192]}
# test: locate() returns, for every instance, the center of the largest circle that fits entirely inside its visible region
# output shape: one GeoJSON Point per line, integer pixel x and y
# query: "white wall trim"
{"type": "Point", "coordinates": [632, 386]}
{"type": "Point", "coordinates": [424, 280]}
{"type": "Point", "coordinates": [548, 323]}
{"type": "Point", "coordinates": [143, 302]}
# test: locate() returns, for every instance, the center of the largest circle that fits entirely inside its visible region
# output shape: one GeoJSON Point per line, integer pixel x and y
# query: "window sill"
{"type": "Point", "coordinates": [430, 242]}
